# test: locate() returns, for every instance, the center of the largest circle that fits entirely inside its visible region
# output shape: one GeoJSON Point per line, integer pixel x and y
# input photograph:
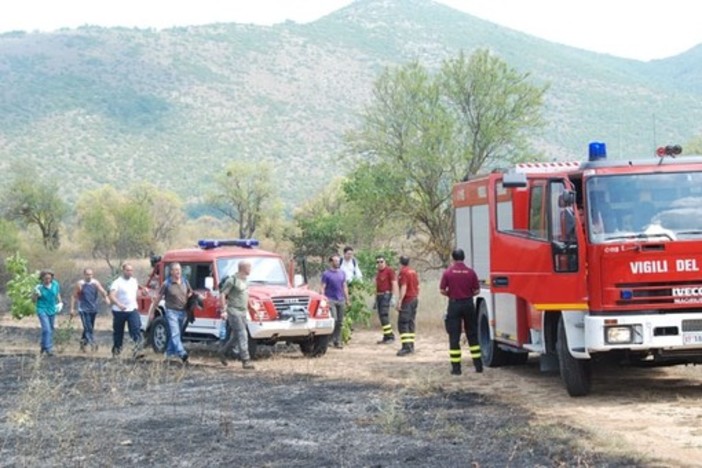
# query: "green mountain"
{"type": "Point", "coordinates": [114, 105]}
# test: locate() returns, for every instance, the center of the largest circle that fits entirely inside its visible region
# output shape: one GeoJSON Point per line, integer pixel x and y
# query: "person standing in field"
{"type": "Point", "coordinates": [335, 288]}
{"type": "Point", "coordinates": [460, 284]}
{"type": "Point", "coordinates": [407, 303]}
{"type": "Point", "coordinates": [123, 296]}
{"type": "Point", "coordinates": [87, 293]}
{"type": "Point", "coordinates": [349, 265]}
{"type": "Point", "coordinates": [385, 292]}
{"type": "Point", "coordinates": [176, 291]}
{"type": "Point", "coordinates": [234, 297]}
{"type": "Point", "coordinates": [47, 297]}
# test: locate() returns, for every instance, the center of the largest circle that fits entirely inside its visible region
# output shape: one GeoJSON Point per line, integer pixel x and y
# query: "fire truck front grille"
{"type": "Point", "coordinates": [692, 325]}
{"type": "Point", "coordinates": [661, 294]}
{"type": "Point", "coordinates": [284, 304]}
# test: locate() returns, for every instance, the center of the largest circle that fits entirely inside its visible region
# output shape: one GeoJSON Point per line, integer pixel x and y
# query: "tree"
{"type": "Point", "coordinates": [165, 210]}
{"type": "Point", "coordinates": [244, 193]}
{"type": "Point", "coordinates": [113, 226]}
{"type": "Point", "coordinates": [694, 146]}
{"type": "Point", "coordinates": [422, 133]}
{"type": "Point", "coordinates": [32, 201]}
{"type": "Point", "coordinates": [494, 107]}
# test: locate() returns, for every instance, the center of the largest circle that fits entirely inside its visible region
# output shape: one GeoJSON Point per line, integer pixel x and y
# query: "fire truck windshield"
{"type": "Point", "coordinates": [660, 206]}
{"type": "Point", "coordinates": [264, 270]}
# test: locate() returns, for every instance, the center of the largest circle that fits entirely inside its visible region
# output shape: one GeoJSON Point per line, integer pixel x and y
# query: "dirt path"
{"type": "Point", "coordinates": [653, 414]}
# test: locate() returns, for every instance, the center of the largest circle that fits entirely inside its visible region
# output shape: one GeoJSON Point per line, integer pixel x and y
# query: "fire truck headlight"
{"type": "Point", "coordinates": [620, 334]}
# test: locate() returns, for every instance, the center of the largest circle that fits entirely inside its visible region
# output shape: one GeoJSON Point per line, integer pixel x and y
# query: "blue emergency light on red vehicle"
{"type": "Point", "coordinates": [214, 243]}
{"type": "Point", "coordinates": [598, 151]}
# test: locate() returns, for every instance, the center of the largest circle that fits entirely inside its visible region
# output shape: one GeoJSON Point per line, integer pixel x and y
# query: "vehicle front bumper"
{"type": "Point", "coordinates": [651, 331]}
{"type": "Point", "coordinates": [290, 329]}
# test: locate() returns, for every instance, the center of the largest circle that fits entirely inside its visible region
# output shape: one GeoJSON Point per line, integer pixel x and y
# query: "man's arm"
{"type": "Point", "coordinates": [443, 285]}
{"type": "Point", "coordinates": [346, 293]}
{"type": "Point", "coordinates": [74, 296]}
{"type": "Point", "coordinates": [102, 291]}
{"type": "Point", "coordinates": [113, 300]}
{"type": "Point", "coordinates": [403, 291]}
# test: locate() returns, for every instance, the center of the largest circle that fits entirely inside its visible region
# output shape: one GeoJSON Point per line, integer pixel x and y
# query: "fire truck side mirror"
{"type": "Point", "coordinates": [514, 180]}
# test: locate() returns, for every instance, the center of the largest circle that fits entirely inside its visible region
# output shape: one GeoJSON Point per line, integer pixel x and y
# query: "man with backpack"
{"type": "Point", "coordinates": [349, 265]}
{"type": "Point", "coordinates": [176, 292]}
{"type": "Point", "coordinates": [87, 293]}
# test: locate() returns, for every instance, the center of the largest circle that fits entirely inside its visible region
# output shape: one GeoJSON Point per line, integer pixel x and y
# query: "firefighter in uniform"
{"type": "Point", "coordinates": [386, 291]}
{"type": "Point", "coordinates": [460, 284]}
{"type": "Point", "coordinates": [407, 306]}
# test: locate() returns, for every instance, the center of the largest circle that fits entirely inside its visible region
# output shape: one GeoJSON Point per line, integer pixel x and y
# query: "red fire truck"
{"type": "Point", "coordinates": [586, 261]}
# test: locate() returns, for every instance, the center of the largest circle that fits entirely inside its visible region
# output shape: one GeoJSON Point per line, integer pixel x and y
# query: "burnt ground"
{"type": "Point", "coordinates": [97, 411]}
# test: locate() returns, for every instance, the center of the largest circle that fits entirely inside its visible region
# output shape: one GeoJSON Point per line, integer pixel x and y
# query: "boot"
{"type": "Point", "coordinates": [387, 339]}
{"type": "Point", "coordinates": [478, 363]}
{"type": "Point", "coordinates": [455, 368]}
{"type": "Point", "coordinates": [247, 365]}
{"type": "Point", "coordinates": [406, 349]}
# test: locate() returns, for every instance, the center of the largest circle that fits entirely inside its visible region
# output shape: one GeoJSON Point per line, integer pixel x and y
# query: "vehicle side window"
{"type": "Point", "coordinates": [537, 218]}
{"type": "Point", "coordinates": [196, 273]}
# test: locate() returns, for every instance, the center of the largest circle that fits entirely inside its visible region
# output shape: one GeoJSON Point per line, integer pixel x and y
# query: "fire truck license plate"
{"type": "Point", "coordinates": [691, 338]}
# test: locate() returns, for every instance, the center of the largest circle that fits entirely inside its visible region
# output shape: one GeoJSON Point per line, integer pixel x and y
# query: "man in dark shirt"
{"type": "Point", "coordinates": [460, 284]}
{"type": "Point", "coordinates": [176, 291]}
{"type": "Point", "coordinates": [385, 289]}
{"type": "Point", "coordinates": [407, 306]}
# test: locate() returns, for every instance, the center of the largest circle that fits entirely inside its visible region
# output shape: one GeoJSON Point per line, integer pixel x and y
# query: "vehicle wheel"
{"type": "Point", "coordinates": [315, 346]}
{"type": "Point", "coordinates": [575, 373]}
{"type": "Point", "coordinates": [158, 335]}
{"type": "Point", "coordinates": [490, 353]}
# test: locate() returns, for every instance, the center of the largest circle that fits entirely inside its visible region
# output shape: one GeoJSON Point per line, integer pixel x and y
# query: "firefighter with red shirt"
{"type": "Point", "coordinates": [460, 284]}
{"type": "Point", "coordinates": [408, 282]}
{"type": "Point", "coordinates": [386, 291]}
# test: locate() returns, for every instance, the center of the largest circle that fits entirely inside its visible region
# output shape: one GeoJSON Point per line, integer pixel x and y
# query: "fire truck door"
{"type": "Point", "coordinates": [535, 252]}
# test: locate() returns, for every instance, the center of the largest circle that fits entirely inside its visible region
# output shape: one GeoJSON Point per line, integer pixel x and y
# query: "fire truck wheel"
{"type": "Point", "coordinates": [158, 335]}
{"type": "Point", "coordinates": [315, 346]}
{"type": "Point", "coordinates": [575, 373]}
{"type": "Point", "coordinates": [490, 353]}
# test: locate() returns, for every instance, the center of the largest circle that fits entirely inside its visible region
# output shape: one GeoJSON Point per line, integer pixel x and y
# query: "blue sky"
{"type": "Point", "coordinates": [642, 30]}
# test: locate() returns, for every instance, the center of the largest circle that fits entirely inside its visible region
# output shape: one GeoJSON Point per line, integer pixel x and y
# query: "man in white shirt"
{"type": "Point", "coordinates": [349, 265]}
{"type": "Point", "coordinates": [123, 297]}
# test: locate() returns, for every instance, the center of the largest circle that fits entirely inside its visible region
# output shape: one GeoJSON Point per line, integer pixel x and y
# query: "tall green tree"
{"type": "Point", "coordinates": [165, 210]}
{"type": "Point", "coordinates": [113, 226]}
{"type": "Point", "coordinates": [33, 201]}
{"type": "Point", "coordinates": [244, 193]}
{"type": "Point", "coordinates": [422, 133]}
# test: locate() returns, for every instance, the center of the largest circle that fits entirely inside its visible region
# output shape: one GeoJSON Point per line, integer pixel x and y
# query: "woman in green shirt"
{"type": "Point", "coordinates": [47, 296]}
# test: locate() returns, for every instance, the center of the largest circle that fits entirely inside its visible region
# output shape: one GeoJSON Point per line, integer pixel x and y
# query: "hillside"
{"type": "Point", "coordinates": [111, 105]}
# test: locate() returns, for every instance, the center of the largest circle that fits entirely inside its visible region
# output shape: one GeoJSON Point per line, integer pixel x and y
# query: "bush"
{"type": "Point", "coordinates": [20, 287]}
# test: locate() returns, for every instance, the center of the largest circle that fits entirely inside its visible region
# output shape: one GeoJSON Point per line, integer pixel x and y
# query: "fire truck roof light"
{"type": "Point", "coordinates": [670, 150]}
{"type": "Point", "coordinates": [214, 243]}
{"type": "Point", "coordinates": [597, 151]}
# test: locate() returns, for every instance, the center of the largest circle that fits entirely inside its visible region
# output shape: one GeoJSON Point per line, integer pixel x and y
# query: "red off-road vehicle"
{"type": "Point", "coordinates": [278, 310]}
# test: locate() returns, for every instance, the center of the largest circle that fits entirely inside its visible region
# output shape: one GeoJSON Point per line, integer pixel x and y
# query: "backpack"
{"type": "Point", "coordinates": [221, 283]}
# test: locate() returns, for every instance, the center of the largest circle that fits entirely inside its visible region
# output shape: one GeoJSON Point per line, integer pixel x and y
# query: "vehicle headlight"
{"type": "Point", "coordinates": [323, 304]}
{"type": "Point", "coordinates": [619, 334]}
